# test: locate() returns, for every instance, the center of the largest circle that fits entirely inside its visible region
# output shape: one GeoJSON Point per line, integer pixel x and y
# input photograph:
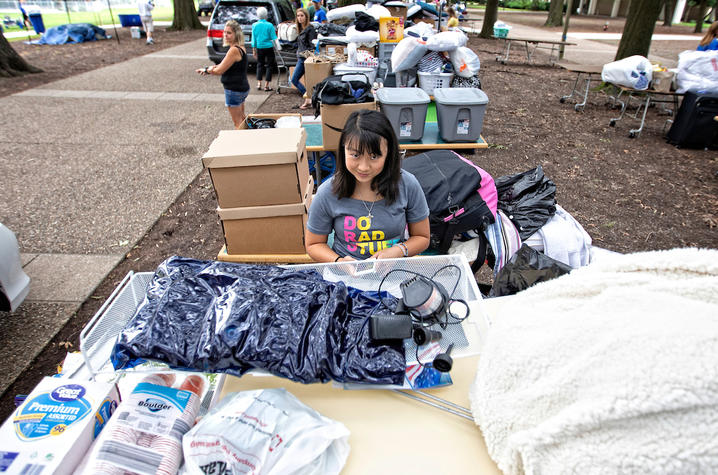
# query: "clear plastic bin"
{"type": "Point", "coordinates": [460, 113]}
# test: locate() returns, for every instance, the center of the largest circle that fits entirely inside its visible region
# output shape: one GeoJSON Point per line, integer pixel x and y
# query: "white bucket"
{"type": "Point", "coordinates": [135, 32]}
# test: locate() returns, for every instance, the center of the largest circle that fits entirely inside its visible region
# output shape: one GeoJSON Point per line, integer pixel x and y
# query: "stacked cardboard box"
{"type": "Point", "coordinates": [263, 188]}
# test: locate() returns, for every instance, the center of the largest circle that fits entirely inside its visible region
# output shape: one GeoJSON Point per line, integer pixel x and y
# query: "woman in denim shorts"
{"type": "Point", "coordinates": [233, 70]}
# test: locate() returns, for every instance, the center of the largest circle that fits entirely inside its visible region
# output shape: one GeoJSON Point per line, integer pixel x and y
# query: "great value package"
{"type": "Point", "coordinates": [51, 431]}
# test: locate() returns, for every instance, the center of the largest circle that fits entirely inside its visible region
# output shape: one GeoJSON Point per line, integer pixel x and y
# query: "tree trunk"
{"type": "Point", "coordinates": [702, 7]}
{"type": "Point", "coordinates": [555, 14]}
{"type": "Point", "coordinates": [491, 14]}
{"type": "Point", "coordinates": [185, 17]}
{"type": "Point", "coordinates": [668, 9]}
{"type": "Point", "coordinates": [637, 32]}
{"type": "Point", "coordinates": [11, 63]}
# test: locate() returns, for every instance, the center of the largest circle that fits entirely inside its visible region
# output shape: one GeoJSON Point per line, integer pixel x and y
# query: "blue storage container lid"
{"type": "Point", "coordinates": [460, 96]}
{"type": "Point", "coordinates": [402, 95]}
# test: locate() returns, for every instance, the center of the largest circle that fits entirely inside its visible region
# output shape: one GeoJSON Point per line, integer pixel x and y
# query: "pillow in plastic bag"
{"type": "Point", "coordinates": [420, 29]}
{"type": "Point", "coordinates": [446, 41]}
{"type": "Point", "coordinates": [697, 72]}
{"type": "Point", "coordinates": [635, 72]}
{"type": "Point", "coordinates": [364, 37]}
{"type": "Point", "coordinates": [347, 13]}
{"type": "Point", "coordinates": [378, 11]}
{"type": "Point", "coordinates": [407, 54]}
{"type": "Point", "coordinates": [466, 62]}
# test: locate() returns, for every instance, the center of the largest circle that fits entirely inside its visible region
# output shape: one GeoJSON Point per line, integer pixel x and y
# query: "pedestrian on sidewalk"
{"type": "Point", "coordinates": [263, 38]}
{"type": "Point", "coordinates": [233, 70]}
{"type": "Point", "coordinates": [710, 40]}
{"type": "Point", "coordinates": [25, 18]}
{"type": "Point", "coordinates": [307, 33]}
{"type": "Point", "coordinates": [145, 7]}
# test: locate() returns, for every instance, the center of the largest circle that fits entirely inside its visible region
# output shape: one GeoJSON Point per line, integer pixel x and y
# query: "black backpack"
{"type": "Point", "coordinates": [333, 90]}
{"type": "Point", "coordinates": [461, 197]}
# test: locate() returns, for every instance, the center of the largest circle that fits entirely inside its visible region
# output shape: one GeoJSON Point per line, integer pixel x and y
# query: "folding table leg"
{"type": "Point", "coordinates": [585, 95]}
{"type": "Point", "coordinates": [633, 133]}
{"type": "Point", "coordinates": [613, 121]}
{"type": "Point", "coordinates": [506, 55]}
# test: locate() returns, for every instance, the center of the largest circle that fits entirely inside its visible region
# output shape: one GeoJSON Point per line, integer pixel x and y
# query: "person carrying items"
{"type": "Point", "coordinates": [263, 38]}
{"type": "Point", "coordinates": [374, 208]}
{"type": "Point", "coordinates": [304, 43]}
{"type": "Point", "coordinates": [710, 40]}
{"type": "Point", "coordinates": [25, 18]}
{"type": "Point", "coordinates": [145, 7]}
{"type": "Point", "coordinates": [233, 70]}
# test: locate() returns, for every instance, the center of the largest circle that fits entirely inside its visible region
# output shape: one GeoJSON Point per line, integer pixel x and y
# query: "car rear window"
{"type": "Point", "coordinates": [245, 13]}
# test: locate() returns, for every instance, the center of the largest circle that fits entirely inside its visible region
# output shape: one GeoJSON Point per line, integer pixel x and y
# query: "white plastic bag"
{"type": "Point", "coordinates": [407, 53]}
{"type": "Point", "coordinates": [378, 11]}
{"type": "Point", "coordinates": [697, 72]}
{"type": "Point", "coordinates": [266, 431]}
{"type": "Point", "coordinates": [466, 63]}
{"type": "Point", "coordinates": [287, 31]}
{"type": "Point", "coordinates": [635, 72]}
{"type": "Point", "coordinates": [446, 41]}
{"type": "Point", "coordinates": [345, 13]}
{"type": "Point", "coordinates": [364, 37]}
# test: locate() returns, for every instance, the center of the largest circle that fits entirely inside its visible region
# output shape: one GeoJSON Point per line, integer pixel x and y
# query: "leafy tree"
{"type": "Point", "coordinates": [11, 63]}
{"type": "Point", "coordinates": [555, 14]}
{"type": "Point", "coordinates": [185, 17]}
{"type": "Point", "coordinates": [491, 14]}
{"type": "Point", "coordinates": [638, 30]}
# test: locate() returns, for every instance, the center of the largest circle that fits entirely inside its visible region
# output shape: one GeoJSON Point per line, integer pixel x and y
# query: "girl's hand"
{"type": "Point", "coordinates": [392, 252]}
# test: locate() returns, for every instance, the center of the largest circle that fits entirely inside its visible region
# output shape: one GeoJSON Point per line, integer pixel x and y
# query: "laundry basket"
{"type": "Point", "coordinates": [430, 81]}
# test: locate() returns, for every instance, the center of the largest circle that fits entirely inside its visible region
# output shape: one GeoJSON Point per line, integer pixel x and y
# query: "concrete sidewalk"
{"type": "Point", "coordinates": [89, 164]}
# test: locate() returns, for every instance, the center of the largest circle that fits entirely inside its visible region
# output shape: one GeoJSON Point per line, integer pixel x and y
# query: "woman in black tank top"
{"type": "Point", "coordinates": [233, 70]}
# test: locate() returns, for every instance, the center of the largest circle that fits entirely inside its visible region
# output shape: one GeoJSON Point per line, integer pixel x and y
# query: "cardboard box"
{"type": "Point", "coordinates": [398, 11]}
{"type": "Point", "coordinates": [275, 229]}
{"type": "Point", "coordinates": [314, 73]}
{"type": "Point", "coordinates": [55, 426]}
{"type": "Point", "coordinates": [334, 49]}
{"type": "Point", "coordinates": [391, 29]}
{"type": "Point", "coordinates": [662, 81]}
{"type": "Point", "coordinates": [333, 120]}
{"type": "Point", "coordinates": [258, 167]}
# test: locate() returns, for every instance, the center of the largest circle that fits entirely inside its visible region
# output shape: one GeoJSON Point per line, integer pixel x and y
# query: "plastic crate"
{"type": "Point", "coordinates": [501, 32]}
{"type": "Point", "coordinates": [430, 81]}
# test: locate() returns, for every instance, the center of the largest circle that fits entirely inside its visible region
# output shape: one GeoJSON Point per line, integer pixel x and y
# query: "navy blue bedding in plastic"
{"type": "Point", "coordinates": [223, 317]}
{"type": "Point", "coordinates": [71, 33]}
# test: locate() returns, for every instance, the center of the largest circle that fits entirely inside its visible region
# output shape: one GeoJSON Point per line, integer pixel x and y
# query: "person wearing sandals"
{"type": "Point", "coordinates": [304, 43]}
{"type": "Point", "coordinates": [233, 70]}
{"type": "Point", "coordinates": [263, 38]}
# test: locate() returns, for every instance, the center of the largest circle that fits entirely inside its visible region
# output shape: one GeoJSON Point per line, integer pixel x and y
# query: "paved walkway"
{"type": "Point", "coordinates": [88, 164]}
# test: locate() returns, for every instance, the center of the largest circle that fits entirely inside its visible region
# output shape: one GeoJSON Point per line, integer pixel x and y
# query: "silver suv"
{"type": "Point", "coordinates": [245, 12]}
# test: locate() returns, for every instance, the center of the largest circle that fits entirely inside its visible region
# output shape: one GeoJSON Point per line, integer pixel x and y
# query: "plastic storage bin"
{"type": "Point", "coordinates": [344, 68]}
{"type": "Point", "coordinates": [406, 109]}
{"type": "Point", "coordinates": [430, 81]}
{"type": "Point", "coordinates": [501, 31]}
{"type": "Point", "coordinates": [127, 20]}
{"type": "Point", "coordinates": [460, 113]}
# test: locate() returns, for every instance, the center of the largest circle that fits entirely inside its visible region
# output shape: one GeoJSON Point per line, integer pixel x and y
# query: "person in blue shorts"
{"type": "Point", "coordinates": [374, 208]}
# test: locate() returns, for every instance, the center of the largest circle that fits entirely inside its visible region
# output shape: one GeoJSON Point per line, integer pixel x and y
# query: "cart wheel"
{"type": "Point", "coordinates": [279, 90]}
{"type": "Point", "coordinates": [632, 135]}
{"type": "Point", "coordinates": [577, 108]}
{"type": "Point", "coordinates": [612, 123]}
{"type": "Point", "coordinates": [562, 100]}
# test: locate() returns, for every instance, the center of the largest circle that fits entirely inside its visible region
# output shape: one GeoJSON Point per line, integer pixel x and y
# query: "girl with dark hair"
{"type": "Point", "coordinates": [374, 208]}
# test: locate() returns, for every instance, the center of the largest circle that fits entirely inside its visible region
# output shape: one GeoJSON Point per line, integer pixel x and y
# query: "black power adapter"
{"type": "Point", "coordinates": [389, 326]}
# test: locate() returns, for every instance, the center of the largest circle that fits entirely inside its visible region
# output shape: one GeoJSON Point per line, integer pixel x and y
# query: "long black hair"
{"type": "Point", "coordinates": [364, 130]}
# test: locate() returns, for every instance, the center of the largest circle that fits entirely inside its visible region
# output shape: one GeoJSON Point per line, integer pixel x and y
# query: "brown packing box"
{"type": "Point", "coordinates": [258, 167]}
{"type": "Point", "coordinates": [398, 11]}
{"type": "Point", "coordinates": [314, 73]}
{"type": "Point", "coordinates": [275, 229]}
{"type": "Point", "coordinates": [334, 49]}
{"type": "Point", "coordinates": [333, 120]}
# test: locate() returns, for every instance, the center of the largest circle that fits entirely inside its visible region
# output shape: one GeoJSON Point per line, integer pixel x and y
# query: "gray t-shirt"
{"type": "Point", "coordinates": [362, 228]}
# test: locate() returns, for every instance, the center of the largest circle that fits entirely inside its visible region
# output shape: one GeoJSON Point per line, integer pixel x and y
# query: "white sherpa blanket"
{"type": "Point", "coordinates": [612, 368]}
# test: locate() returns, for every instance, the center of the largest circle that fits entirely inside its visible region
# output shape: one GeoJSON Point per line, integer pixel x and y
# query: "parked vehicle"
{"type": "Point", "coordinates": [14, 283]}
{"type": "Point", "coordinates": [245, 12]}
{"type": "Point", "coordinates": [205, 7]}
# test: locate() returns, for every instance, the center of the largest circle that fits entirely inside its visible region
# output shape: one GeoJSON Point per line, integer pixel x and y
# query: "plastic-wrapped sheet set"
{"type": "Point", "coordinates": [222, 317]}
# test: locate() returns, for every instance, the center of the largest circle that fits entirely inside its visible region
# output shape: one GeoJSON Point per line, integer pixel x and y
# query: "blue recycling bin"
{"type": "Point", "coordinates": [37, 24]}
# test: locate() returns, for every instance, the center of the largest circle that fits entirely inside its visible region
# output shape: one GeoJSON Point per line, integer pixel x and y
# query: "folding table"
{"type": "Point", "coordinates": [591, 72]}
{"type": "Point", "coordinates": [532, 44]}
{"type": "Point", "coordinates": [644, 100]}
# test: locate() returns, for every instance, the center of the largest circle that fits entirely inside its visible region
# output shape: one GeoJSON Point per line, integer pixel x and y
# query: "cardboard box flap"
{"type": "Point", "coordinates": [269, 211]}
{"type": "Point", "coordinates": [243, 148]}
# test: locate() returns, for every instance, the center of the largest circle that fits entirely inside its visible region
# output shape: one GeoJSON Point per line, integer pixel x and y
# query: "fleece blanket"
{"type": "Point", "coordinates": [612, 368]}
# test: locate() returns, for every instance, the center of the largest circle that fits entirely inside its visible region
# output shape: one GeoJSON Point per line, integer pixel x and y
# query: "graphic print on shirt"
{"type": "Point", "coordinates": [360, 237]}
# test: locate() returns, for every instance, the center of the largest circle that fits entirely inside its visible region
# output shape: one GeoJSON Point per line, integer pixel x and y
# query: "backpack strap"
{"type": "Point", "coordinates": [481, 255]}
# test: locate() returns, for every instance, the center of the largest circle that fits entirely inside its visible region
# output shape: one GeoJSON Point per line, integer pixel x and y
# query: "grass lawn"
{"type": "Point", "coordinates": [96, 18]}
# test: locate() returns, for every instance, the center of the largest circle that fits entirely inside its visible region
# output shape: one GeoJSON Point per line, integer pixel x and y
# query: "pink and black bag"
{"type": "Point", "coordinates": [461, 197]}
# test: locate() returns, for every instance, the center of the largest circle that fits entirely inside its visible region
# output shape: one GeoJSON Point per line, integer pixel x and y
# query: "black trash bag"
{"type": "Point", "coordinates": [331, 29]}
{"type": "Point", "coordinates": [365, 22]}
{"type": "Point", "coordinates": [229, 318]}
{"type": "Point", "coordinates": [333, 91]}
{"type": "Point", "coordinates": [526, 268]}
{"type": "Point", "coordinates": [528, 199]}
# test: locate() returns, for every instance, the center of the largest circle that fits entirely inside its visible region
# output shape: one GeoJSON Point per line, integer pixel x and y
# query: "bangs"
{"type": "Point", "coordinates": [363, 141]}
